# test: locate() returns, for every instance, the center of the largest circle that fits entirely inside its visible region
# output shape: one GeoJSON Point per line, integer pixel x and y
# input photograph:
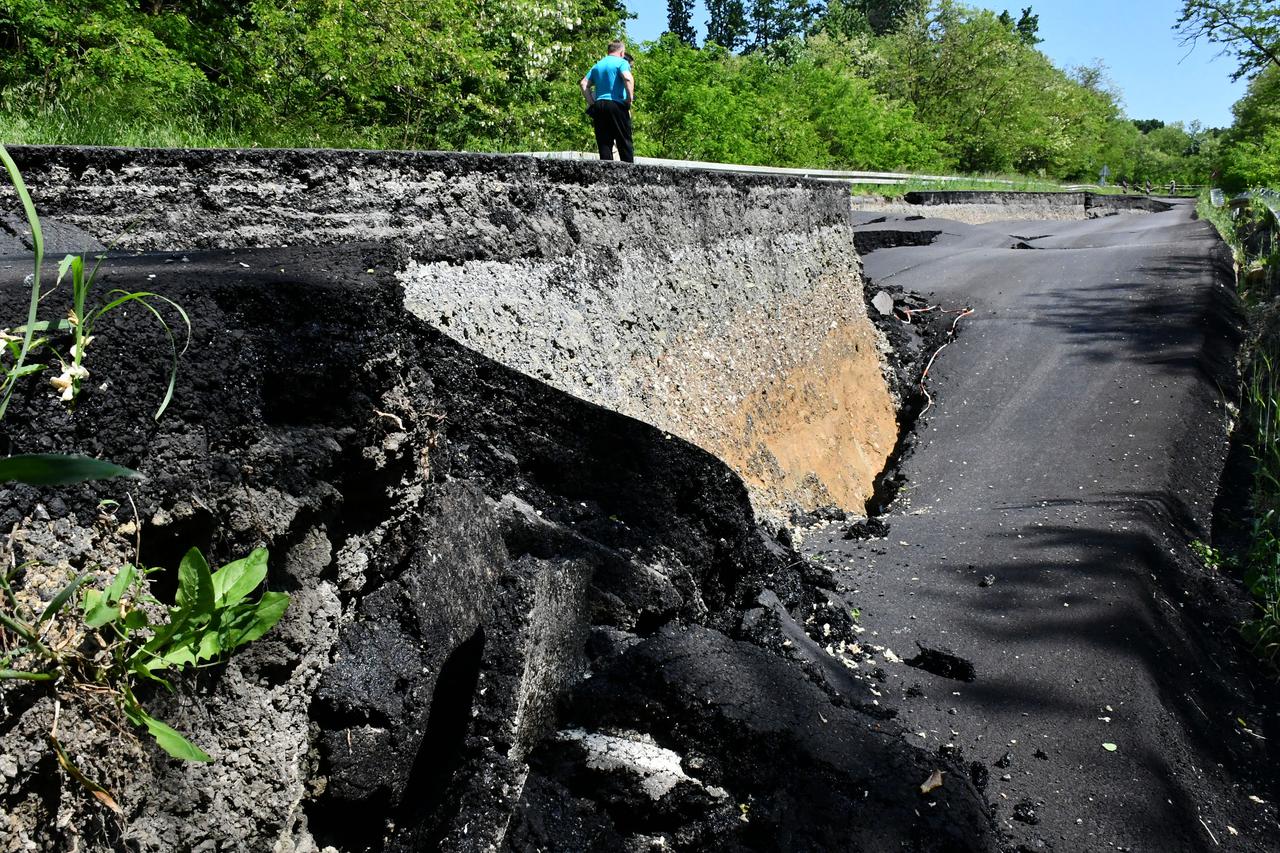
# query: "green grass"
{"type": "Point", "coordinates": [1262, 571]}
{"type": "Point", "coordinates": [990, 183]}
{"type": "Point", "coordinates": [61, 123]}
{"type": "Point", "coordinates": [57, 124]}
{"type": "Point", "coordinates": [1220, 219]}
{"type": "Point", "coordinates": [1260, 409]}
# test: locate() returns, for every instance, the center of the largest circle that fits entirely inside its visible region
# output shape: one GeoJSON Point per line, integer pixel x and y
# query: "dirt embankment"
{"type": "Point", "coordinates": [519, 620]}
{"type": "Point", "coordinates": [723, 309]}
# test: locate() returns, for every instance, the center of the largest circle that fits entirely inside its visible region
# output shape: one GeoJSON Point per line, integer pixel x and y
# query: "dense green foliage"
{"type": "Point", "coordinates": [876, 84]}
{"type": "Point", "coordinates": [1250, 154]}
{"type": "Point", "coordinates": [384, 73]}
{"type": "Point", "coordinates": [1252, 231]}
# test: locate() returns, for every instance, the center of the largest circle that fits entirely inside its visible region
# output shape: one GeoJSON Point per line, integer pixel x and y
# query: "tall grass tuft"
{"type": "Point", "coordinates": [1262, 564]}
{"type": "Point", "coordinates": [1251, 232]}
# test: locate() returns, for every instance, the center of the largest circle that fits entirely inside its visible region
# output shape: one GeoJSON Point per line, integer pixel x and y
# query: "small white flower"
{"type": "Point", "coordinates": [66, 381]}
{"type": "Point", "coordinates": [77, 350]}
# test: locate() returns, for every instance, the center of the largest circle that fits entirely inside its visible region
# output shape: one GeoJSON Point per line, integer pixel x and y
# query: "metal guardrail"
{"type": "Point", "coordinates": [850, 177]}
{"type": "Point", "coordinates": [1271, 199]}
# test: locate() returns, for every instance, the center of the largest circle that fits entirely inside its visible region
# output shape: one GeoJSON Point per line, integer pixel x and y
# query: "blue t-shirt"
{"type": "Point", "coordinates": [606, 77]}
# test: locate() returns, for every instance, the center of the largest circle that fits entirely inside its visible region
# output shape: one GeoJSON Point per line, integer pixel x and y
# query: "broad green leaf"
{"type": "Point", "coordinates": [135, 619]}
{"type": "Point", "coordinates": [98, 610]}
{"type": "Point", "coordinates": [57, 469]}
{"type": "Point", "coordinates": [61, 598]}
{"type": "Point", "coordinates": [258, 621]}
{"type": "Point", "coordinates": [195, 585]}
{"type": "Point", "coordinates": [179, 657]}
{"type": "Point", "coordinates": [171, 741]}
{"type": "Point", "coordinates": [210, 645]}
{"type": "Point", "coordinates": [139, 666]}
{"type": "Point", "coordinates": [121, 583]}
{"type": "Point", "coordinates": [149, 657]}
{"type": "Point", "coordinates": [234, 581]}
{"type": "Point", "coordinates": [92, 599]}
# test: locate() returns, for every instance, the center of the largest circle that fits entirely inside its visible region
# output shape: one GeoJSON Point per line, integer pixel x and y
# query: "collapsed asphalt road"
{"type": "Point", "coordinates": [1042, 537]}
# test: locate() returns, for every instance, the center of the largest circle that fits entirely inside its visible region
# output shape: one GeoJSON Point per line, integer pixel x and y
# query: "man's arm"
{"type": "Point", "coordinates": [585, 86]}
{"type": "Point", "coordinates": [631, 86]}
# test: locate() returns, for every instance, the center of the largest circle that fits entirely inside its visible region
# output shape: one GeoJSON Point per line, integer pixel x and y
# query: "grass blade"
{"type": "Point", "coordinates": [23, 675]}
{"type": "Point", "coordinates": [59, 469]}
{"type": "Point", "coordinates": [61, 598]}
{"type": "Point", "coordinates": [141, 297]}
{"type": "Point", "coordinates": [37, 240]}
{"type": "Point", "coordinates": [100, 793]}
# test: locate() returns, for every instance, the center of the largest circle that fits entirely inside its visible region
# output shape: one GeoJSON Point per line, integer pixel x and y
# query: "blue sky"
{"type": "Point", "coordinates": [1160, 78]}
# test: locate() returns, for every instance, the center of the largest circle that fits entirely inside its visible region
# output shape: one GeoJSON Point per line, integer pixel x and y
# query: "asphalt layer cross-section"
{"type": "Point", "coordinates": [1071, 456]}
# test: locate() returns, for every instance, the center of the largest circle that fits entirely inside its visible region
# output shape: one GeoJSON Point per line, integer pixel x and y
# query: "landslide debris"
{"type": "Point", "coordinates": [520, 621]}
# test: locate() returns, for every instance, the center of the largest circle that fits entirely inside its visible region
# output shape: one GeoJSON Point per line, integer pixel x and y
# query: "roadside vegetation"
{"type": "Point", "coordinates": [120, 641]}
{"type": "Point", "coordinates": [1251, 229]}
{"type": "Point", "coordinates": [988, 183]}
{"type": "Point", "coordinates": [913, 85]}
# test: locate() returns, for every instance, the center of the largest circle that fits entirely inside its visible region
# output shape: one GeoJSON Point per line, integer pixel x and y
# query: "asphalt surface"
{"type": "Point", "coordinates": [1071, 455]}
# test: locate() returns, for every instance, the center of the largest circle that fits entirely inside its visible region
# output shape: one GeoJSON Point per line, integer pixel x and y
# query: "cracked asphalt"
{"type": "Point", "coordinates": [1071, 456]}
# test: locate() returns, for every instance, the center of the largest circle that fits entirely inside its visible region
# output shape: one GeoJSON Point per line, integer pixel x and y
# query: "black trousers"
{"type": "Point", "coordinates": [612, 124]}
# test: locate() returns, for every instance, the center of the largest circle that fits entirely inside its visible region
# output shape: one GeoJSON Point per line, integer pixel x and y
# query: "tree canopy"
{"type": "Point", "coordinates": [1247, 29]}
{"type": "Point", "coordinates": [874, 84]}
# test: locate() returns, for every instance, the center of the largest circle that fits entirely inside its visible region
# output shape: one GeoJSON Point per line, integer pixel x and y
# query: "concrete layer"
{"type": "Point", "coordinates": [726, 309]}
{"type": "Point", "coordinates": [756, 348]}
{"type": "Point", "coordinates": [977, 207]}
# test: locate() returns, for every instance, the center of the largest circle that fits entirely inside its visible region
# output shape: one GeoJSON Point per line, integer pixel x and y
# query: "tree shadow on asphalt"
{"type": "Point", "coordinates": [1178, 331]}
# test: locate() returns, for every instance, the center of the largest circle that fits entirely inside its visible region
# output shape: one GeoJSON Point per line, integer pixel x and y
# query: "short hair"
{"type": "Point", "coordinates": [615, 46]}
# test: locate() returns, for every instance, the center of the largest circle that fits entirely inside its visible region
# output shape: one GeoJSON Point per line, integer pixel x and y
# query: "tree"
{"type": "Point", "coordinates": [1146, 125]}
{"type": "Point", "coordinates": [1027, 28]}
{"type": "Point", "coordinates": [1247, 29]}
{"type": "Point", "coordinates": [842, 19]}
{"type": "Point", "coordinates": [1250, 151]}
{"type": "Point", "coordinates": [886, 16]}
{"type": "Point", "coordinates": [727, 23]}
{"type": "Point", "coordinates": [774, 21]}
{"type": "Point", "coordinates": [680, 21]}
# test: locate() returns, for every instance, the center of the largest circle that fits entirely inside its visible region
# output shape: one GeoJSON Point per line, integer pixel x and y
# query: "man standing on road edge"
{"type": "Point", "coordinates": [610, 89]}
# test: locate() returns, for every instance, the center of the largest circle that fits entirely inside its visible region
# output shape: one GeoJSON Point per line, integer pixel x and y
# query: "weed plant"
{"type": "Point", "coordinates": [127, 637]}
{"type": "Point", "coordinates": [1262, 414]}
{"type": "Point", "coordinates": [989, 183]}
{"type": "Point", "coordinates": [1251, 231]}
{"type": "Point", "coordinates": [124, 637]}
{"type": "Point", "coordinates": [79, 321]}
